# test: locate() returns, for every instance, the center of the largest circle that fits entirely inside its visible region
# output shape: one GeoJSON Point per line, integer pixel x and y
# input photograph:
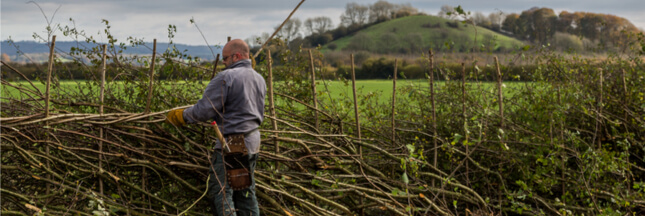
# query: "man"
{"type": "Point", "coordinates": [235, 99]}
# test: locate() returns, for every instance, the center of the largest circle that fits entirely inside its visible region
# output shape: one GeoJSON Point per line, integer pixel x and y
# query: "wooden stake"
{"type": "Point", "coordinates": [272, 106]}
{"type": "Point", "coordinates": [215, 67]}
{"type": "Point", "coordinates": [563, 153]}
{"type": "Point", "coordinates": [626, 94]}
{"type": "Point", "coordinates": [228, 39]}
{"type": "Point", "coordinates": [434, 113]}
{"type": "Point", "coordinates": [276, 30]}
{"type": "Point", "coordinates": [101, 96]}
{"type": "Point", "coordinates": [396, 63]}
{"type": "Point", "coordinates": [152, 73]}
{"type": "Point", "coordinates": [313, 87]}
{"type": "Point", "coordinates": [50, 68]}
{"type": "Point", "coordinates": [598, 120]}
{"type": "Point", "coordinates": [358, 122]}
{"type": "Point", "coordinates": [463, 103]}
{"type": "Point", "coordinates": [500, 94]}
{"type": "Point", "coordinates": [150, 85]}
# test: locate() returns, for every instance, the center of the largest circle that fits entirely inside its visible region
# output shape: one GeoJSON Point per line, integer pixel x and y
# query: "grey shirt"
{"type": "Point", "coordinates": [235, 100]}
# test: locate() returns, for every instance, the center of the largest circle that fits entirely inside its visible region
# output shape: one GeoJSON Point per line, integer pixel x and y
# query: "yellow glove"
{"type": "Point", "coordinates": [176, 117]}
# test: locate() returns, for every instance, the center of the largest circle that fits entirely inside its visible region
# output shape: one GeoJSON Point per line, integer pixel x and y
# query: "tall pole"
{"type": "Point", "coordinates": [278, 29]}
{"type": "Point", "coordinates": [101, 96]}
{"type": "Point", "coordinates": [500, 94]}
{"type": "Point", "coordinates": [50, 68]}
{"type": "Point", "coordinates": [396, 63]}
{"type": "Point", "coordinates": [463, 103]}
{"type": "Point", "coordinates": [272, 107]}
{"type": "Point", "coordinates": [358, 122]}
{"type": "Point", "coordinates": [434, 113]}
{"type": "Point", "coordinates": [215, 67]}
{"type": "Point", "coordinates": [152, 73]}
{"type": "Point", "coordinates": [313, 87]}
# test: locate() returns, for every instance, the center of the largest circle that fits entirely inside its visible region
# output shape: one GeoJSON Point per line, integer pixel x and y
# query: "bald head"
{"type": "Point", "coordinates": [234, 51]}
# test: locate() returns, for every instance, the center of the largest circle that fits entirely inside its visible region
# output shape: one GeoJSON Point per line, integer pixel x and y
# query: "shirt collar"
{"type": "Point", "coordinates": [240, 63]}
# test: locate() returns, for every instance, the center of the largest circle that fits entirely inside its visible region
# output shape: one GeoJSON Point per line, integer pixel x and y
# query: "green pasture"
{"type": "Point", "coordinates": [325, 88]}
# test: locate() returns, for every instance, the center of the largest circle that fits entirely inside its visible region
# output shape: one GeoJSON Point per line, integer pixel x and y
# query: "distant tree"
{"type": "Point", "coordinates": [591, 25]}
{"type": "Point", "coordinates": [290, 30]}
{"type": "Point", "coordinates": [413, 41]}
{"type": "Point", "coordinates": [332, 46]}
{"type": "Point", "coordinates": [566, 22]}
{"type": "Point", "coordinates": [339, 32]}
{"type": "Point", "coordinates": [318, 25]}
{"type": "Point", "coordinates": [355, 14]}
{"type": "Point", "coordinates": [481, 20]}
{"type": "Point", "coordinates": [320, 39]}
{"type": "Point", "coordinates": [447, 12]}
{"type": "Point", "coordinates": [567, 42]}
{"type": "Point", "coordinates": [381, 11]}
{"type": "Point", "coordinates": [257, 40]}
{"type": "Point", "coordinates": [536, 24]}
{"type": "Point", "coordinates": [496, 20]}
{"type": "Point", "coordinates": [616, 29]}
{"type": "Point", "coordinates": [404, 10]}
{"type": "Point", "coordinates": [513, 24]}
{"type": "Point", "coordinates": [388, 43]}
{"type": "Point", "coordinates": [603, 28]}
{"type": "Point", "coordinates": [359, 42]}
{"type": "Point", "coordinates": [544, 21]}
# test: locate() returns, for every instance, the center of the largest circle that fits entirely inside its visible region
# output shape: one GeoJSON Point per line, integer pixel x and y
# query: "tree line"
{"type": "Point", "coordinates": [540, 25]}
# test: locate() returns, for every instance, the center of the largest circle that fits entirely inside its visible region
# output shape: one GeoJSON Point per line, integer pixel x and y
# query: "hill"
{"type": "Point", "coordinates": [39, 51]}
{"type": "Point", "coordinates": [418, 33]}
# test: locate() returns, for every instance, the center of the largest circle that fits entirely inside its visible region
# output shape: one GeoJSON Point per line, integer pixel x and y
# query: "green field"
{"type": "Point", "coordinates": [335, 89]}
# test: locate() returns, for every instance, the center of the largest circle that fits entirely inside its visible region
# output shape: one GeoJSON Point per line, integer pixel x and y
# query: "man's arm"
{"type": "Point", "coordinates": [210, 105]}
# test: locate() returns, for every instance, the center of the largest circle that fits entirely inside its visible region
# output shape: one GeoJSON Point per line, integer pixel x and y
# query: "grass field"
{"type": "Point", "coordinates": [382, 89]}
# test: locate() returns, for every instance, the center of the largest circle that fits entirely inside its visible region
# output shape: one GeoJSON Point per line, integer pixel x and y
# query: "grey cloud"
{"type": "Point", "coordinates": [243, 18]}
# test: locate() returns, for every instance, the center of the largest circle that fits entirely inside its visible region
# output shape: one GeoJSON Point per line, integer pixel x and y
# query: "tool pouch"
{"type": "Point", "coordinates": [237, 163]}
{"type": "Point", "coordinates": [236, 144]}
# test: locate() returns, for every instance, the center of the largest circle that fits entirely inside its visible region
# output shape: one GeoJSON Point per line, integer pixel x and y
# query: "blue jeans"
{"type": "Point", "coordinates": [226, 202]}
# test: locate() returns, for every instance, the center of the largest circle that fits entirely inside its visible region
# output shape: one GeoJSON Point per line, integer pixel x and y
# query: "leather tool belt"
{"type": "Point", "coordinates": [237, 163]}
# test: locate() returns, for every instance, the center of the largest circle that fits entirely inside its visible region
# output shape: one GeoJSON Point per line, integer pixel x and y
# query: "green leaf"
{"type": "Point", "coordinates": [459, 10]}
{"type": "Point", "coordinates": [405, 179]}
{"type": "Point", "coordinates": [115, 196]}
{"type": "Point", "coordinates": [395, 191]}
{"type": "Point", "coordinates": [411, 147]}
{"type": "Point", "coordinates": [456, 139]}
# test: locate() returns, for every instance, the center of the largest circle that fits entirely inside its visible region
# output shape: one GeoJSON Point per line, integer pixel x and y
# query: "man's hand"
{"type": "Point", "coordinates": [176, 117]}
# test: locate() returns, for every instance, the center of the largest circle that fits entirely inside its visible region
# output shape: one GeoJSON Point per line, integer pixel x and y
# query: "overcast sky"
{"type": "Point", "coordinates": [217, 19]}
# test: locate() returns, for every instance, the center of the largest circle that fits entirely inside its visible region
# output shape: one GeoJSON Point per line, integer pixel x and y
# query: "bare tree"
{"type": "Point", "coordinates": [355, 14]}
{"type": "Point", "coordinates": [496, 20]}
{"type": "Point", "coordinates": [381, 11]}
{"type": "Point", "coordinates": [318, 25]}
{"type": "Point", "coordinates": [290, 30]}
{"type": "Point", "coordinates": [256, 40]}
{"type": "Point", "coordinates": [447, 12]}
{"type": "Point", "coordinates": [481, 20]}
{"type": "Point", "coordinates": [403, 10]}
